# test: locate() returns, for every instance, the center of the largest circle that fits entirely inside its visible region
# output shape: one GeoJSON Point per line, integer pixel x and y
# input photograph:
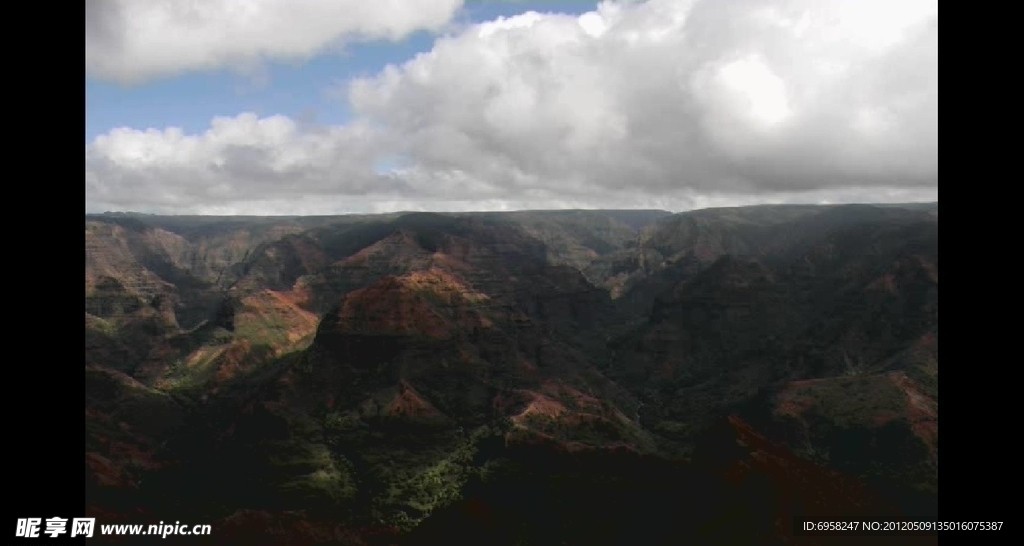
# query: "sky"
{"type": "Point", "coordinates": [348, 106]}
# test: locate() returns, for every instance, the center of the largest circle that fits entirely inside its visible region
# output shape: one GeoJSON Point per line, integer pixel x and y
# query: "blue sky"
{"type": "Point", "coordinates": [340, 106]}
{"type": "Point", "coordinates": [304, 90]}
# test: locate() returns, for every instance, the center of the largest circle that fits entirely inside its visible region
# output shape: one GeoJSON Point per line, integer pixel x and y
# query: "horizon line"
{"type": "Point", "coordinates": [573, 209]}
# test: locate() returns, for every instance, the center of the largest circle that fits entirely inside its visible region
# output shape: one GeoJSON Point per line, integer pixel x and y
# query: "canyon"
{"type": "Point", "coordinates": [529, 377]}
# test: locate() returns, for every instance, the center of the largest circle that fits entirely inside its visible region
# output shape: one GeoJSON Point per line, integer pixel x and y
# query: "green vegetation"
{"type": "Point", "coordinates": [317, 473]}
{"type": "Point", "coordinates": [411, 494]}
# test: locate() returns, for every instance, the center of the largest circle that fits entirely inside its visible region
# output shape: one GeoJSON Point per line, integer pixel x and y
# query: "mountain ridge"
{"type": "Point", "coordinates": [393, 368]}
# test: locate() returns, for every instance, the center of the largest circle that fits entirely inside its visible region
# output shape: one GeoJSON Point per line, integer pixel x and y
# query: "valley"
{"type": "Point", "coordinates": [531, 377]}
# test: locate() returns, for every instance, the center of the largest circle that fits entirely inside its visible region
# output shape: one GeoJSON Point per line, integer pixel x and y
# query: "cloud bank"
{"type": "Point", "coordinates": [131, 41]}
{"type": "Point", "coordinates": [666, 103]}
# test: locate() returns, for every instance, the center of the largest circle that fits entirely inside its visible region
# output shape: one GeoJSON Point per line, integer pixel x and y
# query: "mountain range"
{"type": "Point", "coordinates": [534, 377]}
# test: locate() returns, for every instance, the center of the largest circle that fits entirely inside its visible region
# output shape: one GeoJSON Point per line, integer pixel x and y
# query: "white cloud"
{"type": "Point", "coordinates": [131, 41]}
{"type": "Point", "coordinates": [665, 103]}
{"type": "Point", "coordinates": [244, 159]}
{"type": "Point", "coordinates": [670, 95]}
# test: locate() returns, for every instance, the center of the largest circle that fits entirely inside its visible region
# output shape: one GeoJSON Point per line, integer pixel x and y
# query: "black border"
{"type": "Point", "coordinates": [44, 294]}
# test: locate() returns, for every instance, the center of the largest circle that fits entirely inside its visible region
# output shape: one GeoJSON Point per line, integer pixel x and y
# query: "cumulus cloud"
{"type": "Point", "coordinates": [666, 103]}
{"type": "Point", "coordinates": [131, 41]}
{"type": "Point", "coordinates": [239, 160]}
{"type": "Point", "coordinates": [744, 96]}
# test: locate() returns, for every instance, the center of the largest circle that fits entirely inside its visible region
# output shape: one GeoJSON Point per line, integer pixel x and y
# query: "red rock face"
{"type": "Point", "coordinates": [792, 402]}
{"type": "Point", "coordinates": [904, 401]}
{"type": "Point", "coordinates": [921, 412]}
{"type": "Point", "coordinates": [536, 406]}
{"type": "Point", "coordinates": [409, 404]}
{"type": "Point", "coordinates": [432, 303]}
{"type": "Point", "coordinates": [397, 249]}
{"type": "Point", "coordinates": [801, 487]}
{"type": "Point", "coordinates": [281, 313]}
{"type": "Point", "coordinates": [559, 415]}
